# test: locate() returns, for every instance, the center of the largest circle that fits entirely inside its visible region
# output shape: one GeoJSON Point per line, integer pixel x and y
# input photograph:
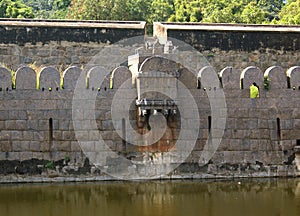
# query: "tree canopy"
{"type": "Point", "coordinates": [15, 9]}
{"type": "Point", "coordinates": [205, 11]}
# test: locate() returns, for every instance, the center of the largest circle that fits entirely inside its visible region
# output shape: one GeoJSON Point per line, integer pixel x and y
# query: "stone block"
{"type": "Point", "coordinates": [39, 136]}
{"type": "Point", "coordinates": [16, 135]}
{"type": "Point", "coordinates": [5, 146]}
{"type": "Point", "coordinates": [75, 147]}
{"type": "Point", "coordinates": [20, 146]}
{"type": "Point", "coordinates": [58, 135]}
{"type": "Point", "coordinates": [4, 114]}
{"type": "Point", "coordinates": [2, 125]}
{"type": "Point", "coordinates": [64, 125]}
{"type": "Point", "coordinates": [11, 124]}
{"type": "Point", "coordinates": [57, 155]}
{"type": "Point", "coordinates": [82, 135]}
{"type": "Point", "coordinates": [25, 156]}
{"type": "Point", "coordinates": [89, 114]}
{"type": "Point", "coordinates": [258, 156]}
{"type": "Point", "coordinates": [233, 156]}
{"type": "Point", "coordinates": [61, 146]}
{"type": "Point", "coordinates": [68, 135]}
{"type": "Point", "coordinates": [94, 135]}
{"type": "Point", "coordinates": [287, 144]}
{"type": "Point", "coordinates": [49, 79]}
{"type": "Point", "coordinates": [16, 155]}
{"type": "Point", "coordinates": [25, 78]}
{"type": "Point", "coordinates": [88, 146]}
{"type": "Point", "coordinates": [5, 135]}
{"type": "Point", "coordinates": [71, 76]}
{"type": "Point", "coordinates": [5, 79]}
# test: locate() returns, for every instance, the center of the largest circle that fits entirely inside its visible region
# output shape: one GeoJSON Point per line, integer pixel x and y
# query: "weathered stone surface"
{"type": "Point", "coordinates": [251, 74]}
{"type": "Point", "coordinates": [5, 79]}
{"type": "Point", "coordinates": [258, 140]}
{"type": "Point", "coordinates": [95, 76]}
{"type": "Point", "coordinates": [25, 78]}
{"type": "Point", "coordinates": [70, 77]}
{"type": "Point", "coordinates": [119, 76]}
{"type": "Point", "coordinates": [49, 79]}
{"type": "Point", "coordinates": [277, 77]}
{"type": "Point", "coordinates": [230, 78]}
{"type": "Point", "coordinates": [294, 74]}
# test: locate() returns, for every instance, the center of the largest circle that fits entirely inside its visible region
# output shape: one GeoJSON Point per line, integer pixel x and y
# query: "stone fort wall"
{"type": "Point", "coordinates": [37, 124]}
{"type": "Point", "coordinates": [38, 142]}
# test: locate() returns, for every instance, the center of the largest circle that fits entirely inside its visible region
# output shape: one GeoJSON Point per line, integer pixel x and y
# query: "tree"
{"type": "Point", "coordinates": [252, 14]}
{"type": "Point", "coordinates": [290, 13]}
{"type": "Point", "coordinates": [110, 9]}
{"type": "Point", "coordinates": [272, 7]}
{"type": "Point", "coordinates": [49, 9]}
{"type": "Point", "coordinates": [224, 11]}
{"type": "Point", "coordinates": [187, 11]}
{"type": "Point", "coordinates": [14, 9]}
{"type": "Point", "coordinates": [161, 10]}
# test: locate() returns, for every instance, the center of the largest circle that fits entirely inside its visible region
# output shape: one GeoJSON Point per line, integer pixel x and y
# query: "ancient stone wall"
{"type": "Point", "coordinates": [59, 43]}
{"type": "Point", "coordinates": [238, 46]}
{"type": "Point", "coordinates": [37, 125]}
{"type": "Point", "coordinates": [51, 118]}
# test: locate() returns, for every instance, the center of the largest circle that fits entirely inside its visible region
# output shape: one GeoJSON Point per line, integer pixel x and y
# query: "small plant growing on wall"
{"type": "Point", "coordinates": [49, 165]}
{"type": "Point", "coordinates": [67, 159]}
{"type": "Point", "coordinates": [267, 83]}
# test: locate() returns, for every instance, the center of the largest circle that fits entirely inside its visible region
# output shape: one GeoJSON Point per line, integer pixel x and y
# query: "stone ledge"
{"type": "Point", "coordinates": [72, 23]}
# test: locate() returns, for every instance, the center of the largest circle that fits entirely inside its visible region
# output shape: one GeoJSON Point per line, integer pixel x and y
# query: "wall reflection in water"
{"type": "Point", "coordinates": [209, 198]}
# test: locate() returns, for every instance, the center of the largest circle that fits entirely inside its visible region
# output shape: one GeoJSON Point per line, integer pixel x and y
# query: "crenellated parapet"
{"type": "Point", "coordinates": [49, 78]}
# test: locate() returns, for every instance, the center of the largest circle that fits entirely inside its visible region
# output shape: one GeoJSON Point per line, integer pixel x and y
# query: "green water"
{"type": "Point", "coordinates": [263, 197]}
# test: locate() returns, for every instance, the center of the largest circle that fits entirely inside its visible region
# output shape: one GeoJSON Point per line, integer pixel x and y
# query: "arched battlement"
{"type": "Point", "coordinates": [25, 78]}
{"type": "Point", "coordinates": [251, 74]}
{"type": "Point", "coordinates": [293, 74]}
{"type": "Point", "coordinates": [70, 77]}
{"type": "Point", "coordinates": [229, 78]}
{"type": "Point", "coordinates": [276, 77]}
{"type": "Point", "coordinates": [94, 77]}
{"type": "Point", "coordinates": [208, 78]}
{"type": "Point", "coordinates": [5, 79]}
{"type": "Point", "coordinates": [118, 76]}
{"type": "Point", "coordinates": [49, 79]}
{"type": "Point", "coordinates": [159, 64]}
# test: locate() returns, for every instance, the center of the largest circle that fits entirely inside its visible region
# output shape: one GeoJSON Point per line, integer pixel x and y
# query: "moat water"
{"type": "Point", "coordinates": [254, 197]}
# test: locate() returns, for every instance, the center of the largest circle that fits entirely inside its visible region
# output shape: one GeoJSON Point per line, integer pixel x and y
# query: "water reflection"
{"type": "Point", "coordinates": [209, 198]}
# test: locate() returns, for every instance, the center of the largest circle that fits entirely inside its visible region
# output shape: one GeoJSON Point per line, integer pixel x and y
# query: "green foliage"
{"type": "Point", "coordinates": [49, 9]}
{"type": "Point", "coordinates": [290, 13]}
{"type": "Point", "coordinates": [271, 7]}
{"type": "Point", "coordinates": [252, 14]}
{"type": "Point", "coordinates": [187, 11]}
{"type": "Point", "coordinates": [67, 158]}
{"type": "Point", "coordinates": [161, 10]}
{"type": "Point", "coordinates": [267, 83]}
{"type": "Point", "coordinates": [49, 165]}
{"type": "Point", "coordinates": [109, 9]}
{"type": "Point", "coordinates": [15, 9]}
{"type": "Point", "coordinates": [204, 11]}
